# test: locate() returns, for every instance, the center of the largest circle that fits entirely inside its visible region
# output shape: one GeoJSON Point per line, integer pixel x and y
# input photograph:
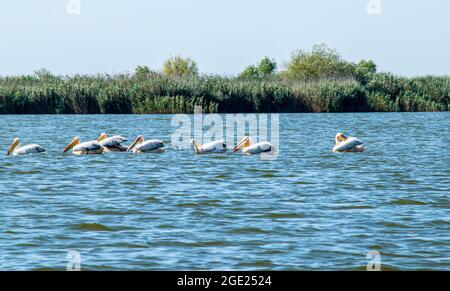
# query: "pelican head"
{"type": "Point", "coordinates": [102, 136]}
{"type": "Point", "coordinates": [75, 141]}
{"type": "Point", "coordinates": [245, 142]}
{"type": "Point", "coordinates": [195, 145]}
{"type": "Point", "coordinates": [136, 142]}
{"type": "Point", "coordinates": [340, 137]}
{"type": "Point", "coordinates": [14, 145]}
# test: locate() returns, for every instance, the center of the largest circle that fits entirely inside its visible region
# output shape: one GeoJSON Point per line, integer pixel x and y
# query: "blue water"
{"type": "Point", "coordinates": [309, 209]}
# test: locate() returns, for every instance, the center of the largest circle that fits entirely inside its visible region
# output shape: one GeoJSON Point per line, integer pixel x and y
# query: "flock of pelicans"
{"type": "Point", "coordinates": [140, 145]}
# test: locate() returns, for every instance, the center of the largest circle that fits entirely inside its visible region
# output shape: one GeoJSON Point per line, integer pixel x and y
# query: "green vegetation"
{"type": "Point", "coordinates": [320, 62]}
{"type": "Point", "coordinates": [265, 69]}
{"type": "Point", "coordinates": [312, 81]}
{"type": "Point", "coordinates": [180, 67]}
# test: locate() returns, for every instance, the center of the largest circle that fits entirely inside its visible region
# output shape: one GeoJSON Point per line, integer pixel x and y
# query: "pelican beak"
{"type": "Point", "coordinates": [72, 144]}
{"type": "Point", "coordinates": [136, 142]}
{"type": "Point", "coordinates": [195, 145]}
{"type": "Point", "coordinates": [242, 144]}
{"type": "Point", "coordinates": [102, 136]}
{"type": "Point", "coordinates": [15, 143]}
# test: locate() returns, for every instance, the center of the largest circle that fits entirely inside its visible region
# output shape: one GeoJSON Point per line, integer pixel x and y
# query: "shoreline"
{"type": "Point", "coordinates": [231, 113]}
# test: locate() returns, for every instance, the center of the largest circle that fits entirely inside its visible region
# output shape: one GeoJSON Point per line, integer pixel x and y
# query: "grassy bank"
{"type": "Point", "coordinates": [158, 93]}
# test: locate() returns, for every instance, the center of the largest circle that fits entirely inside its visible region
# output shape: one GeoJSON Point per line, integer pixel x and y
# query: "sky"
{"type": "Point", "coordinates": [405, 37]}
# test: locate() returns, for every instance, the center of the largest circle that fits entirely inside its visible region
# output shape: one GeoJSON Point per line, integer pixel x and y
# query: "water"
{"type": "Point", "coordinates": [310, 209]}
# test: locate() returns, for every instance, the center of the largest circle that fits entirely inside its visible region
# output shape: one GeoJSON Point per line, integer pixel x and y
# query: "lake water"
{"type": "Point", "coordinates": [308, 209]}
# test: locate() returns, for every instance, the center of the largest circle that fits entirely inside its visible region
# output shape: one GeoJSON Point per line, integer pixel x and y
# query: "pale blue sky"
{"type": "Point", "coordinates": [410, 37]}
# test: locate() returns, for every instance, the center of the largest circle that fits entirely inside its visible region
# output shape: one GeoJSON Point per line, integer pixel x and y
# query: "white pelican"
{"type": "Point", "coordinates": [250, 148]}
{"type": "Point", "coordinates": [85, 148]}
{"type": "Point", "coordinates": [146, 146]}
{"type": "Point", "coordinates": [17, 150]}
{"type": "Point", "coordinates": [113, 143]}
{"type": "Point", "coordinates": [347, 144]}
{"type": "Point", "coordinates": [217, 146]}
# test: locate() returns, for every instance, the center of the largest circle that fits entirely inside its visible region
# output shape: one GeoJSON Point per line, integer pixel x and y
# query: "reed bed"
{"type": "Point", "coordinates": [155, 92]}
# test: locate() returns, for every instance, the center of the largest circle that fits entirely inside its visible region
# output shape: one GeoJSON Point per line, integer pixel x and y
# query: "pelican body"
{"type": "Point", "coordinates": [347, 144]}
{"type": "Point", "coordinates": [248, 147]}
{"type": "Point", "coordinates": [17, 150]}
{"type": "Point", "coordinates": [218, 146]}
{"type": "Point", "coordinates": [113, 143]}
{"type": "Point", "coordinates": [140, 145]}
{"type": "Point", "coordinates": [85, 148]}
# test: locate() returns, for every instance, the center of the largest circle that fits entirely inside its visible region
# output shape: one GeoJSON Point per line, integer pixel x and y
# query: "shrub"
{"type": "Point", "coordinates": [320, 62]}
{"type": "Point", "coordinates": [180, 67]}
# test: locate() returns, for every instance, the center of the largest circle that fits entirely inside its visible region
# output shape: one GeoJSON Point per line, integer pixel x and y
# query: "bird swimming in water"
{"type": "Point", "coordinates": [140, 145]}
{"type": "Point", "coordinates": [347, 144]}
{"type": "Point", "coordinates": [17, 150]}
{"type": "Point", "coordinates": [218, 146]}
{"type": "Point", "coordinates": [85, 148]}
{"type": "Point", "coordinates": [113, 143]}
{"type": "Point", "coordinates": [248, 147]}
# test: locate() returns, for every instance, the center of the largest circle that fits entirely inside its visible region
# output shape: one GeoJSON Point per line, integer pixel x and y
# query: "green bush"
{"type": "Point", "coordinates": [364, 71]}
{"type": "Point", "coordinates": [321, 62]}
{"type": "Point", "coordinates": [180, 67]}
{"type": "Point", "coordinates": [263, 70]}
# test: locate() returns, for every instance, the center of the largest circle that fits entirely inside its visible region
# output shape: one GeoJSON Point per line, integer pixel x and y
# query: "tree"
{"type": "Point", "coordinates": [366, 67]}
{"type": "Point", "coordinates": [141, 72]}
{"type": "Point", "coordinates": [265, 68]}
{"type": "Point", "coordinates": [320, 62]}
{"type": "Point", "coordinates": [180, 67]}
{"type": "Point", "coordinates": [251, 72]}
{"type": "Point", "coordinates": [364, 70]}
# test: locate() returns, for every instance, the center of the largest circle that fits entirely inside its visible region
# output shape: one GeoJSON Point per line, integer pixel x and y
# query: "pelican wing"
{"type": "Point", "coordinates": [214, 146]}
{"type": "Point", "coordinates": [88, 146]}
{"type": "Point", "coordinates": [349, 144]}
{"type": "Point", "coordinates": [114, 141]}
{"type": "Point", "coordinates": [258, 148]}
{"type": "Point", "coordinates": [150, 145]}
{"type": "Point", "coordinates": [29, 149]}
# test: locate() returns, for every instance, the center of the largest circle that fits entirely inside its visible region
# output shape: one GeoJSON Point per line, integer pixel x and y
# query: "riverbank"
{"type": "Point", "coordinates": [154, 92]}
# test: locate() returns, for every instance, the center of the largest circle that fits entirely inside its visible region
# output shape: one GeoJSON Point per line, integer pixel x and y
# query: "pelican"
{"type": "Point", "coordinates": [17, 150]}
{"type": "Point", "coordinates": [113, 143]}
{"type": "Point", "coordinates": [146, 146]}
{"type": "Point", "coordinates": [347, 144]}
{"type": "Point", "coordinates": [250, 148]}
{"type": "Point", "coordinates": [218, 146]}
{"type": "Point", "coordinates": [85, 148]}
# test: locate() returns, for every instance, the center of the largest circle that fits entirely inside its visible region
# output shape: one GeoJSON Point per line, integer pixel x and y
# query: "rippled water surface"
{"type": "Point", "coordinates": [308, 209]}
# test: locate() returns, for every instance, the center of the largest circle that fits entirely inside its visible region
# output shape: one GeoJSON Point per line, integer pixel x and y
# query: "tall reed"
{"type": "Point", "coordinates": [158, 93]}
